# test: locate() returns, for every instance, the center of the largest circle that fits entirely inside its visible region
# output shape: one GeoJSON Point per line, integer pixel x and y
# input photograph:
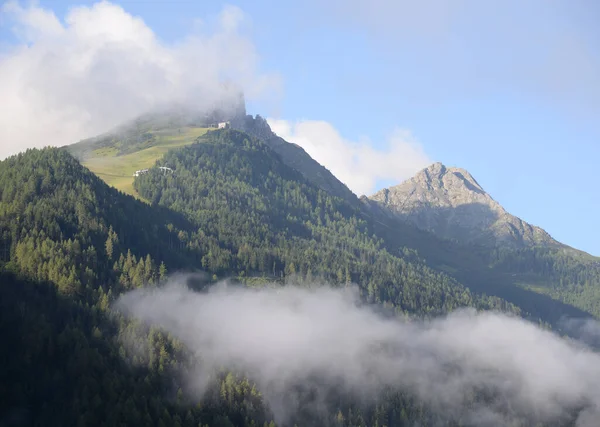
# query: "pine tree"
{"type": "Point", "coordinates": [162, 271]}
{"type": "Point", "coordinates": [109, 247]}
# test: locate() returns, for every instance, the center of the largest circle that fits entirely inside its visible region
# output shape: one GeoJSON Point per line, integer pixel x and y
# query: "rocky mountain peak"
{"type": "Point", "coordinates": [449, 202]}
{"type": "Point", "coordinates": [438, 175]}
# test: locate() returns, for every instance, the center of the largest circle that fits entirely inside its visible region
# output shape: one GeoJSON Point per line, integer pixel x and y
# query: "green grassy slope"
{"type": "Point", "coordinates": [106, 159]}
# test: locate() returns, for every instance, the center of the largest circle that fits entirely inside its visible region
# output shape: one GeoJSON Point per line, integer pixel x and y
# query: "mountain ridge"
{"type": "Point", "coordinates": [513, 263]}
{"type": "Point", "coordinates": [293, 155]}
{"type": "Point", "coordinates": [449, 202]}
{"type": "Point", "coordinates": [233, 207]}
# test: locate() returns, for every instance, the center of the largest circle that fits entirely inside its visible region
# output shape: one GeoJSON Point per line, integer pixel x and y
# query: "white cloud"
{"type": "Point", "coordinates": [103, 66]}
{"type": "Point", "coordinates": [284, 336]}
{"type": "Point", "coordinates": [35, 22]}
{"type": "Point", "coordinates": [358, 164]}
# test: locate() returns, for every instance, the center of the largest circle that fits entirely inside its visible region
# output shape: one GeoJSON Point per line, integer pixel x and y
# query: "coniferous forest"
{"type": "Point", "coordinates": [70, 246]}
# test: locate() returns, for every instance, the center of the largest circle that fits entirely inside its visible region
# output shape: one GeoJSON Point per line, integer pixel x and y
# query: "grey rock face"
{"type": "Point", "coordinates": [450, 203]}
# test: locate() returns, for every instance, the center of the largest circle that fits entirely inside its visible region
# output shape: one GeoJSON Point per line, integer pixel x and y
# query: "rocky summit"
{"type": "Point", "coordinates": [449, 202]}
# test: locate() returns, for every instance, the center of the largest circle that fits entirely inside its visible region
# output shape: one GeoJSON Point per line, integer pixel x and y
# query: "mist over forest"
{"type": "Point", "coordinates": [485, 368]}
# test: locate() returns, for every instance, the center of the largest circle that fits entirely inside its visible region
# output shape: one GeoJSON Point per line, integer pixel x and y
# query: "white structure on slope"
{"type": "Point", "coordinates": [163, 169]}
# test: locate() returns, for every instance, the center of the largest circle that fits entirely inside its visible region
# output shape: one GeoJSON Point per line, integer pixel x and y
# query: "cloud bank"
{"type": "Point", "coordinates": [519, 373]}
{"type": "Point", "coordinates": [545, 49]}
{"type": "Point", "coordinates": [358, 164]}
{"type": "Point", "coordinates": [102, 66]}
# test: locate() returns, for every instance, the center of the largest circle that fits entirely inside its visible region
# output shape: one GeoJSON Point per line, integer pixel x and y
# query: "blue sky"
{"type": "Point", "coordinates": [507, 90]}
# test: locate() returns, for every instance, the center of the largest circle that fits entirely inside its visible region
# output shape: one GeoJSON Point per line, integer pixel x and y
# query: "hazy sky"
{"type": "Point", "coordinates": [509, 90]}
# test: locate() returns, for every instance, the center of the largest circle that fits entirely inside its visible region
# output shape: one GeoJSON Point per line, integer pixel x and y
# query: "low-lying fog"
{"type": "Point", "coordinates": [285, 334]}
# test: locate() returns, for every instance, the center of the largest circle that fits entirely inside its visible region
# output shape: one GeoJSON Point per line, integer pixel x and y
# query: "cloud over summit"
{"type": "Point", "coordinates": [101, 66]}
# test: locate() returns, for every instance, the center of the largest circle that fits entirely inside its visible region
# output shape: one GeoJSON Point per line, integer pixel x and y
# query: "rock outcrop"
{"type": "Point", "coordinates": [450, 203]}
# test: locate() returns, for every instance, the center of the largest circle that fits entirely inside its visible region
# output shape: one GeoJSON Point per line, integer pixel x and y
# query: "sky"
{"type": "Point", "coordinates": [374, 90]}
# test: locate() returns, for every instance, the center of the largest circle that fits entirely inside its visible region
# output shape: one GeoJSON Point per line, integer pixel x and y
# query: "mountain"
{"type": "Point", "coordinates": [547, 289]}
{"type": "Point", "coordinates": [238, 204]}
{"type": "Point", "coordinates": [271, 219]}
{"type": "Point", "coordinates": [70, 245]}
{"type": "Point", "coordinates": [294, 156]}
{"type": "Point", "coordinates": [450, 203]}
{"type": "Point", "coordinates": [485, 247]}
{"type": "Point", "coordinates": [137, 145]}
{"type": "Point", "coordinates": [174, 123]}
{"type": "Point", "coordinates": [496, 253]}
{"type": "Point", "coordinates": [116, 155]}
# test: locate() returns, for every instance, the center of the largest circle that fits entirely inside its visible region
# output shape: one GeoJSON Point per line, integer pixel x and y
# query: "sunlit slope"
{"type": "Point", "coordinates": [117, 169]}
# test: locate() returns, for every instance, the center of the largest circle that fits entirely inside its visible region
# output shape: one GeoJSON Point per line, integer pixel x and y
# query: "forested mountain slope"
{"type": "Point", "coordinates": [493, 251]}
{"type": "Point", "coordinates": [294, 156]}
{"type": "Point", "coordinates": [73, 245]}
{"type": "Point", "coordinates": [564, 274]}
{"type": "Point", "coordinates": [485, 271]}
{"type": "Point", "coordinates": [70, 245]}
{"type": "Point", "coordinates": [270, 219]}
{"type": "Point", "coordinates": [483, 257]}
{"type": "Point", "coordinates": [476, 236]}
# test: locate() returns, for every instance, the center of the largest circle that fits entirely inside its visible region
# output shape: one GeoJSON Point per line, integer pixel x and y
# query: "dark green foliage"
{"type": "Point", "coordinates": [55, 215]}
{"type": "Point", "coordinates": [75, 245]}
{"type": "Point", "coordinates": [260, 216]}
{"type": "Point", "coordinates": [63, 364]}
{"type": "Point", "coordinates": [562, 273]}
{"type": "Point", "coordinates": [62, 226]}
{"type": "Point", "coordinates": [69, 245]}
{"type": "Point", "coordinates": [546, 283]}
{"type": "Point", "coordinates": [294, 156]}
